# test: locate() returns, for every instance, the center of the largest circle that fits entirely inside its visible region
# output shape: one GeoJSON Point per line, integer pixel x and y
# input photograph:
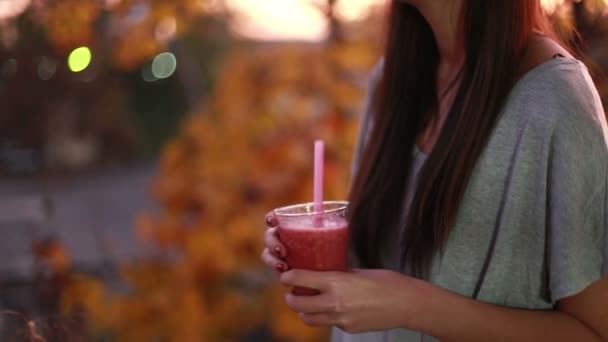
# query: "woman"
{"type": "Point", "coordinates": [479, 205]}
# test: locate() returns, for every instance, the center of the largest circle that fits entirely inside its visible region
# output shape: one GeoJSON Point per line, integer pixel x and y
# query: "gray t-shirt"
{"type": "Point", "coordinates": [533, 224]}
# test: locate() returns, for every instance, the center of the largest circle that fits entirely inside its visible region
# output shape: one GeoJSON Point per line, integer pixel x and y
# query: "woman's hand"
{"type": "Point", "coordinates": [274, 254]}
{"type": "Point", "coordinates": [358, 301]}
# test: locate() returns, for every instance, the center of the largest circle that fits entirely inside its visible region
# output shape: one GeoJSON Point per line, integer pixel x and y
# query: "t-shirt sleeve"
{"type": "Point", "coordinates": [577, 225]}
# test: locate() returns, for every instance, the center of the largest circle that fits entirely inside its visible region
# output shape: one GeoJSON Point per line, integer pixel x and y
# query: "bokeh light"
{"type": "Point", "coordinates": [46, 68]}
{"type": "Point", "coordinates": [10, 68]}
{"type": "Point", "coordinates": [9, 35]}
{"type": "Point", "coordinates": [278, 20]}
{"type": "Point", "coordinates": [164, 65]}
{"type": "Point", "coordinates": [80, 59]}
{"type": "Point", "coordinates": [109, 4]}
{"type": "Point", "coordinates": [551, 5]}
{"type": "Point", "coordinates": [355, 9]}
{"type": "Point", "coordinates": [12, 8]}
{"type": "Point", "coordinates": [146, 73]}
{"type": "Point", "coordinates": [166, 29]}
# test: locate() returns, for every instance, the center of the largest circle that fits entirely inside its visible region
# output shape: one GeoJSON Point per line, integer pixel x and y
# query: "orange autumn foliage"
{"type": "Point", "coordinates": [70, 23]}
{"type": "Point", "coordinates": [246, 151]}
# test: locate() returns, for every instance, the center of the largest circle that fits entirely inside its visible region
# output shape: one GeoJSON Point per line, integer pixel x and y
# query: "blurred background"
{"type": "Point", "coordinates": [143, 141]}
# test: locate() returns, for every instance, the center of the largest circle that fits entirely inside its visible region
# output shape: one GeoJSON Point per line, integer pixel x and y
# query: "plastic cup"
{"type": "Point", "coordinates": [316, 241]}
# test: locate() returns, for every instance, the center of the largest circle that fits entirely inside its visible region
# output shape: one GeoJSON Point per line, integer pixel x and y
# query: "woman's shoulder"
{"type": "Point", "coordinates": [561, 94]}
{"type": "Point", "coordinates": [560, 80]}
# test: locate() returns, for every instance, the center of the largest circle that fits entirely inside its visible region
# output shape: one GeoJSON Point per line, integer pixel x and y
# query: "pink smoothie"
{"type": "Point", "coordinates": [318, 249]}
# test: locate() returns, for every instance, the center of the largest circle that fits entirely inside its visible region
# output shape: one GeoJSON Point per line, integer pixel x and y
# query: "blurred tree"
{"type": "Point", "coordinates": [246, 150]}
{"type": "Point", "coordinates": [583, 25]}
{"type": "Point", "coordinates": [328, 8]}
{"type": "Point", "coordinates": [82, 118]}
{"type": "Point", "coordinates": [588, 15]}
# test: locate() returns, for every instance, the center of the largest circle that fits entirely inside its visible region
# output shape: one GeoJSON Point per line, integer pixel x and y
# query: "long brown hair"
{"type": "Point", "coordinates": [496, 34]}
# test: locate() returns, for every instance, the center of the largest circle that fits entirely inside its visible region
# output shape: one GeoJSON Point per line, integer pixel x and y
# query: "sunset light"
{"type": "Point", "coordinates": [289, 19]}
{"type": "Point", "coordinates": [299, 19]}
{"type": "Point", "coordinates": [269, 19]}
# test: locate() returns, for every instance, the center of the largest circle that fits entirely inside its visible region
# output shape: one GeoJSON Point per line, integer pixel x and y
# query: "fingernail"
{"type": "Point", "coordinates": [271, 221]}
{"type": "Point", "coordinates": [278, 251]}
{"type": "Point", "coordinates": [281, 268]}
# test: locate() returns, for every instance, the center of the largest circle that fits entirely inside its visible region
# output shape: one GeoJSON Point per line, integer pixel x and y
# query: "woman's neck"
{"type": "Point", "coordinates": [444, 18]}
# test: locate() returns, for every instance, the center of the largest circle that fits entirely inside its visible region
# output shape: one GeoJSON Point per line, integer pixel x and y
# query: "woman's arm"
{"type": "Point", "coordinates": [372, 300]}
{"type": "Point", "coordinates": [451, 317]}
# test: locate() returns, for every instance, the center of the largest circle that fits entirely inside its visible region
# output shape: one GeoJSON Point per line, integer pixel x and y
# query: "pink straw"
{"type": "Point", "coordinates": [318, 181]}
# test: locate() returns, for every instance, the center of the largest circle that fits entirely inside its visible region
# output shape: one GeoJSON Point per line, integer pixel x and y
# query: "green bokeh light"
{"type": "Point", "coordinates": [164, 65]}
{"type": "Point", "coordinates": [80, 59]}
